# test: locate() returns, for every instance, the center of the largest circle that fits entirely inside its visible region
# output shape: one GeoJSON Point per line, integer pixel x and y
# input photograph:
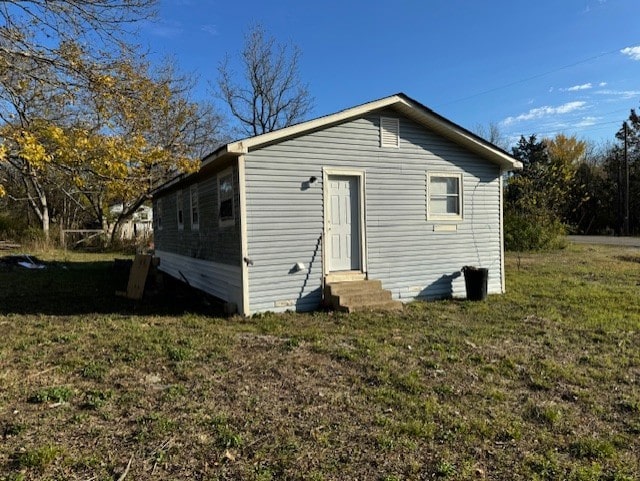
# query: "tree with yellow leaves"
{"type": "Point", "coordinates": [84, 119]}
{"type": "Point", "coordinates": [150, 132]}
{"type": "Point", "coordinates": [111, 140]}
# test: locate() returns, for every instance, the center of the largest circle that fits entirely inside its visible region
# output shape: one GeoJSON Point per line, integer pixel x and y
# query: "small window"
{"type": "Point", "coordinates": [225, 198]}
{"type": "Point", "coordinates": [389, 132]}
{"type": "Point", "coordinates": [444, 196]}
{"type": "Point", "coordinates": [195, 213]}
{"type": "Point", "coordinates": [158, 214]}
{"type": "Point", "coordinates": [180, 210]}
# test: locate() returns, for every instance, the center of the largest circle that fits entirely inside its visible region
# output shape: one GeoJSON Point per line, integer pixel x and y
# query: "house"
{"type": "Point", "coordinates": [138, 226]}
{"type": "Point", "coordinates": [388, 191]}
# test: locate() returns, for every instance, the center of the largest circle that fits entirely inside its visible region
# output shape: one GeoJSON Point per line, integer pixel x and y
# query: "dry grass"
{"type": "Point", "coordinates": [542, 383]}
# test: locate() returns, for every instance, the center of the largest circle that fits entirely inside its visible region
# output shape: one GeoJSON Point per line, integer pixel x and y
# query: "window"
{"type": "Point", "coordinates": [389, 132]}
{"type": "Point", "coordinates": [180, 210]}
{"type": "Point", "coordinates": [444, 196]}
{"type": "Point", "coordinates": [158, 214]}
{"type": "Point", "coordinates": [195, 213]}
{"type": "Point", "coordinates": [225, 198]}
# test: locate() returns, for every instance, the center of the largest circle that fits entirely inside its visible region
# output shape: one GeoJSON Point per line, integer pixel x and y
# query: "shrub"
{"type": "Point", "coordinates": [11, 227]}
{"type": "Point", "coordinates": [533, 231]}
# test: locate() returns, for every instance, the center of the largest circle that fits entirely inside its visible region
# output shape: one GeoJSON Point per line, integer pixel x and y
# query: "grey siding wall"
{"type": "Point", "coordinates": [204, 255]}
{"type": "Point", "coordinates": [210, 241]}
{"type": "Point", "coordinates": [404, 250]}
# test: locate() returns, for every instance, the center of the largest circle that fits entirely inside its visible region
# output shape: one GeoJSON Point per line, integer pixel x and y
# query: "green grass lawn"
{"type": "Point", "coordinates": [542, 383]}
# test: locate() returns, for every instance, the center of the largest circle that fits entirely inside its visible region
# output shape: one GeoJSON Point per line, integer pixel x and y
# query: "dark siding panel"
{"type": "Point", "coordinates": [210, 242]}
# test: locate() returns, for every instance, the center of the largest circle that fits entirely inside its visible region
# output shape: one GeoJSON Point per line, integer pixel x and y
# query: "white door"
{"type": "Point", "coordinates": [343, 226]}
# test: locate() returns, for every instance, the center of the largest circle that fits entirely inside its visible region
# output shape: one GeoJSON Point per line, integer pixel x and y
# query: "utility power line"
{"type": "Point", "coordinates": [533, 77]}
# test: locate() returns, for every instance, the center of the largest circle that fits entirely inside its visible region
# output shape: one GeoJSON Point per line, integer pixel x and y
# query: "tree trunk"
{"type": "Point", "coordinates": [39, 204]}
{"type": "Point", "coordinates": [116, 229]}
{"type": "Point", "coordinates": [45, 222]}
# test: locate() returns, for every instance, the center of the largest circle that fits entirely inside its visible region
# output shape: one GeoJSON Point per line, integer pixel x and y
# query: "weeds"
{"type": "Point", "coordinates": [95, 399]}
{"type": "Point", "coordinates": [51, 395]}
{"type": "Point", "coordinates": [94, 371]}
{"type": "Point", "coordinates": [39, 458]}
{"type": "Point", "coordinates": [590, 448]}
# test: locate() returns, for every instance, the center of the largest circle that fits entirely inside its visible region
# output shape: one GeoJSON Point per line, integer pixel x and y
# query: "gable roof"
{"type": "Point", "coordinates": [400, 102]}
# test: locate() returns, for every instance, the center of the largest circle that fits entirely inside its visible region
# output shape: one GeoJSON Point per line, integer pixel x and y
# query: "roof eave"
{"type": "Point", "coordinates": [457, 134]}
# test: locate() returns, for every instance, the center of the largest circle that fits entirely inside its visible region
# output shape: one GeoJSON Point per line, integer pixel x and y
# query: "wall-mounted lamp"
{"type": "Point", "coordinates": [297, 267]}
{"type": "Point", "coordinates": [312, 179]}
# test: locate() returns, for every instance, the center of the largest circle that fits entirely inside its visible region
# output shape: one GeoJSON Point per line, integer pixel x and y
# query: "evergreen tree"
{"type": "Point", "coordinates": [532, 199]}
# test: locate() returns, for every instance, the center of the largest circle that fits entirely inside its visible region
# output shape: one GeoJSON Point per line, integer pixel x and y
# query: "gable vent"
{"type": "Point", "coordinates": [389, 132]}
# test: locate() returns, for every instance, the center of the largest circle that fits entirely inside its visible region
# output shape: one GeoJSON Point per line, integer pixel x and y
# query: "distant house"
{"type": "Point", "coordinates": [387, 191]}
{"type": "Point", "coordinates": [139, 225]}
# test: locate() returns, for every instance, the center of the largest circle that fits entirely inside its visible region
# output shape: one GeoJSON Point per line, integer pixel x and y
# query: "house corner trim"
{"type": "Point", "coordinates": [244, 309]}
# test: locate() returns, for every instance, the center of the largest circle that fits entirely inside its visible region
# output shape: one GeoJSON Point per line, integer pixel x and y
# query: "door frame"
{"type": "Point", "coordinates": [360, 177]}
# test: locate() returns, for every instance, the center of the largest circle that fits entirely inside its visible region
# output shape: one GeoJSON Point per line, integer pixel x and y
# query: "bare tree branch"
{"type": "Point", "coordinates": [270, 94]}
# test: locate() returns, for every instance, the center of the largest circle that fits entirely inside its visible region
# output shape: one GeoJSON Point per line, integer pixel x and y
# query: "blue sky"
{"type": "Point", "coordinates": [549, 66]}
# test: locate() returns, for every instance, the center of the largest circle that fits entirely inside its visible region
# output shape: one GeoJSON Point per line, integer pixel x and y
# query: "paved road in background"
{"type": "Point", "coordinates": [608, 240]}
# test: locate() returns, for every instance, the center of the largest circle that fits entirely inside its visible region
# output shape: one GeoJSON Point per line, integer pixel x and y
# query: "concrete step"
{"type": "Point", "coordinates": [338, 288]}
{"type": "Point", "coordinates": [360, 295]}
{"type": "Point", "coordinates": [389, 305]}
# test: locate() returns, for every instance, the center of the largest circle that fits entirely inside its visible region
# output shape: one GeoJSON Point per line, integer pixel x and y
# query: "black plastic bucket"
{"type": "Point", "coordinates": [476, 280]}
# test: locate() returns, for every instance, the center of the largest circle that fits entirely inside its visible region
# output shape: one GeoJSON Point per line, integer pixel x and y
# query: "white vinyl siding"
{"type": "Point", "coordinates": [444, 196]}
{"type": "Point", "coordinates": [226, 211]}
{"type": "Point", "coordinates": [180, 210]}
{"type": "Point", "coordinates": [413, 259]}
{"type": "Point", "coordinates": [389, 132]}
{"type": "Point", "coordinates": [220, 280]}
{"type": "Point", "coordinates": [194, 207]}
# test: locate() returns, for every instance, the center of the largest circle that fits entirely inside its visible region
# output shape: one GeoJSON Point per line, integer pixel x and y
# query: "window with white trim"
{"type": "Point", "coordinates": [180, 209]}
{"type": "Point", "coordinates": [157, 215]}
{"type": "Point", "coordinates": [389, 132]}
{"type": "Point", "coordinates": [444, 196]}
{"type": "Point", "coordinates": [195, 212]}
{"type": "Point", "coordinates": [226, 215]}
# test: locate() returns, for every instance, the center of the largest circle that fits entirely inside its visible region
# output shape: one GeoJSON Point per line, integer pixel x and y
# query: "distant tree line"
{"type": "Point", "coordinates": [568, 185]}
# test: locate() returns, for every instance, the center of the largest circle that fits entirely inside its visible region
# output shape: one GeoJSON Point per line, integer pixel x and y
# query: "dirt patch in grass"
{"type": "Point", "coordinates": [541, 383]}
{"type": "Point", "coordinates": [630, 258]}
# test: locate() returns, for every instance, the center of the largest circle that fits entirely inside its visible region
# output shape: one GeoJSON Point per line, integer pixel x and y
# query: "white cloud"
{"type": "Point", "coordinates": [587, 122]}
{"type": "Point", "coordinates": [166, 29]}
{"type": "Point", "coordinates": [633, 52]}
{"type": "Point", "coordinates": [546, 111]}
{"type": "Point", "coordinates": [602, 84]}
{"type": "Point", "coordinates": [576, 88]}
{"type": "Point", "coordinates": [210, 29]}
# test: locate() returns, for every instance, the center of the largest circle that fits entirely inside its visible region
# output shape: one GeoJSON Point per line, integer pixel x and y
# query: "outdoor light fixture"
{"type": "Point", "coordinates": [312, 179]}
